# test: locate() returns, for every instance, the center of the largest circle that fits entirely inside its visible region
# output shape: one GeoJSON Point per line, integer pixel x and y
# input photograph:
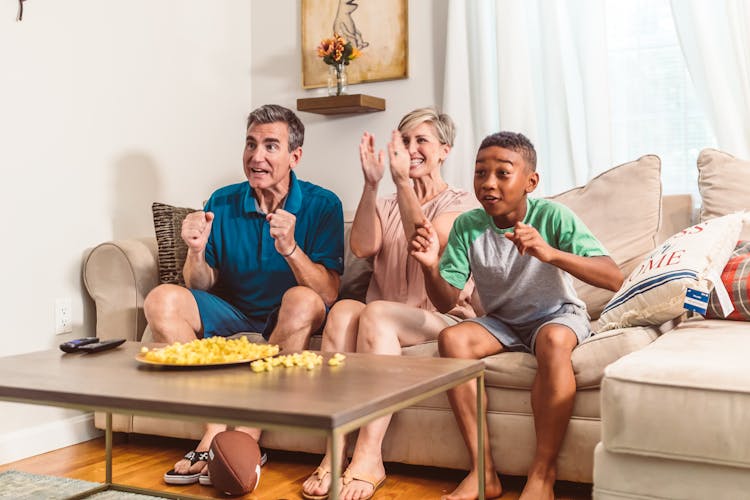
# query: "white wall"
{"type": "Point", "coordinates": [105, 106]}
{"type": "Point", "coordinates": [330, 153]}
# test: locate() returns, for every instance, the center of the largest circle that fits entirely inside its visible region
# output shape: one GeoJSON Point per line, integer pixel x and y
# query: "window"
{"type": "Point", "coordinates": [652, 100]}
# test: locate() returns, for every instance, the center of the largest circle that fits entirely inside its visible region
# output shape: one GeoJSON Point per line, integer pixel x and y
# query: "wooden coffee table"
{"type": "Point", "coordinates": [327, 400]}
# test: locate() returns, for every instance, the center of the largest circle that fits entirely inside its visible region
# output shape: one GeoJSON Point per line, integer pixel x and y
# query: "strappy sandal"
{"type": "Point", "coordinates": [172, 477]}
{"type": "Point", "coordinates": [320, 472]}
{"type": "Point", "coordinates": [350, 475]}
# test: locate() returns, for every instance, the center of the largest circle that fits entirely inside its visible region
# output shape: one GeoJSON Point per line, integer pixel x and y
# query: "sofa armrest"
{"type": "Point", "coordinates": [118, 275]}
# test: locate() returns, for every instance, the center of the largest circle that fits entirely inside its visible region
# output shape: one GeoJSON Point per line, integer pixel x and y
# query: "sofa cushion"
{"type": "Point", "coordinates": [723, 186]}
{"type": "Point", "coordinates": [655, 292]}
{"type": "Point", "coordinates": [623, 476]}
{"type": "Point", "coordinates": [686, 396]}
{"type": "Point", "coordinates": [172, 249]}
{"type": "Point", "coordinates": [622, 207]}
{"type": "Point", "coordinates": [736, 279]}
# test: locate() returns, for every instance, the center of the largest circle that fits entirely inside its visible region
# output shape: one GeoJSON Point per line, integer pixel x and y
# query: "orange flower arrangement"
{"type": "Point", "coordinates": [337, 50]}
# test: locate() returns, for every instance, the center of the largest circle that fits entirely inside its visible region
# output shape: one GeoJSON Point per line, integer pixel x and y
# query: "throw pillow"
{"type": "Point", "coordinates": [655, 292]}
{"type": "Point", "coordinates": [736, 279]}
{"type": "Point", "coordinates": [721, 185]}
{"type": "Point", "coordinates": [622, 207]}
{"type": "Point", "coordinates": [171, 249]}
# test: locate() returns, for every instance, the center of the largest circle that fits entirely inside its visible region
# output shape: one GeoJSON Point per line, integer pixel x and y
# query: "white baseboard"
{"type": "Point", "coordinates": [47, 437]}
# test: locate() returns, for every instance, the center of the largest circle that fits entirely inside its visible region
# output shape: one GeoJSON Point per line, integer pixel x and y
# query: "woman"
{"type": "Point", "coordinates": [397, 312]}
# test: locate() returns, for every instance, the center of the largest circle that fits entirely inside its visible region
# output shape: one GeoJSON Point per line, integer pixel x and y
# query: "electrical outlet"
{"type": "Point", "coordinates": [63, 316]}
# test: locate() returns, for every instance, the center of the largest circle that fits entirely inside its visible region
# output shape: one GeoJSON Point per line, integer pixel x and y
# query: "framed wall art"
{"type": "Point", "coordinates": [377, 28]}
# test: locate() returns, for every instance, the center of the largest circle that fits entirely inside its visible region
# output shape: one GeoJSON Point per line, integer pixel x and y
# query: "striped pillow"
{"type": "Point", "coordinates": [655, 292]}
{"type": "Point", "coordinates": [736, 279]}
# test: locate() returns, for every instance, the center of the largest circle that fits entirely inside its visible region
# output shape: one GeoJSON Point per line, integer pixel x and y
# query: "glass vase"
{"type": "Point", "coordinates": [336, 79]}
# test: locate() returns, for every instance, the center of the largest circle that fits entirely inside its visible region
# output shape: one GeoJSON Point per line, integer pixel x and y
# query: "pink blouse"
{"type": "Point", "coordinates": [396, 275]}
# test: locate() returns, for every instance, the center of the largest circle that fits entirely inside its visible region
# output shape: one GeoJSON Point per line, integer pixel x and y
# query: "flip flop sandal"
{"type": "Point", "coordinates": [172, 477]}
{"type": "Point", "coordinates": [321, 473]}
{"type": "Point", "coordinates": [350, 475]}
{"type": "Point", "coordinates": [205, 479]}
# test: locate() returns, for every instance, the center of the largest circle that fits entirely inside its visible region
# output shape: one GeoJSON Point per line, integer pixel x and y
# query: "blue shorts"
{"type": "Point", "coordinates": [522, 338]}
{"type": "Point", "coordinates": [222, 319]}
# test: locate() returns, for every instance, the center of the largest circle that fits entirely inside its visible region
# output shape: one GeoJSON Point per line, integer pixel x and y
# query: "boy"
{"type": "Point", "coordinates": [521, 252]}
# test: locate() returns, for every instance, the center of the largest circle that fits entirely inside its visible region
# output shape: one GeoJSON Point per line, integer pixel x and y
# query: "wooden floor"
{"type": "Point", "coordinates": [142, 460]}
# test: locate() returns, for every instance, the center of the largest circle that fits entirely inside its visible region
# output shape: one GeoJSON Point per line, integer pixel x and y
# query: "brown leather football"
{"type": "Point", "coordinates": [234, 463]}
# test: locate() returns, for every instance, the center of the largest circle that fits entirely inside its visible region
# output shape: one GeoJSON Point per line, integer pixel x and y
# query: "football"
{"type": "Point", "coordinates": [234, 463]}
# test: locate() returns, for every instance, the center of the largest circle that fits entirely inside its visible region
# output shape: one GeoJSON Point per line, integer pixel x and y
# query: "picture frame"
{"type": "Point", "coordinates": [378, 28]}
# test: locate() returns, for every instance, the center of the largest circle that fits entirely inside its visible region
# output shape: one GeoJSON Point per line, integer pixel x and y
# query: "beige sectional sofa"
{"type": "Point", "coordinates": [624, 207]}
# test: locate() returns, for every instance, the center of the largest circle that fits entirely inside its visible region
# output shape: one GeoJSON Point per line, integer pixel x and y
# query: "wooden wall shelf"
{"type": "Point", "coordinates": [341, 104]}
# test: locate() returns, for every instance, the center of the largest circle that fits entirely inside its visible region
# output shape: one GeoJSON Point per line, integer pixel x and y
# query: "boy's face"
{"type": "Point", "coordinates": [502, 179]}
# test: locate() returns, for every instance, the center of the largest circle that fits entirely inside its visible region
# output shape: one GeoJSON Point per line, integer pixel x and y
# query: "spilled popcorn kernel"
{"type": "Point", "coordinates": [337, 359]}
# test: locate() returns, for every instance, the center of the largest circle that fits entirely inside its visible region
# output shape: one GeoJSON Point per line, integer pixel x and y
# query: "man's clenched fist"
{"type": "Point", "coordinates": [195, 230]}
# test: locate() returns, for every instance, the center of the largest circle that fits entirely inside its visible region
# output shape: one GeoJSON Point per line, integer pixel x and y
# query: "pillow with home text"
{"type": "Point", "coordinates": [676, 276]}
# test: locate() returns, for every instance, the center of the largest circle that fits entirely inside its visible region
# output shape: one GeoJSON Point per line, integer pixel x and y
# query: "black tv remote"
{"type": "Point", "coordinates": [101, 346]}
{"type": "Point", "coordinates": [73, 345]}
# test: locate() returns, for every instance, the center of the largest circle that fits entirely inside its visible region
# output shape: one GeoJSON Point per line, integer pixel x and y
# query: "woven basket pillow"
{"type": "Point", "coordinates": [736, 279]}
{"type": "Point", "coordinates": [172, 249]}
{"type": "Point", "coordinates": [655, 291]}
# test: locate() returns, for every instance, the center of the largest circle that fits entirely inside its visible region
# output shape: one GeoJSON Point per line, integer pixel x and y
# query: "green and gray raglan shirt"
{"type": "Point", "coordinates": [517, 288]}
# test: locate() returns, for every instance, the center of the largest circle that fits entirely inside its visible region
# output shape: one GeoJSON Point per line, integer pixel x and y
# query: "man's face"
{"type": "Point", "coordinates": [501, 181]}
{"type": "Point", "coordinates": [267, 160]}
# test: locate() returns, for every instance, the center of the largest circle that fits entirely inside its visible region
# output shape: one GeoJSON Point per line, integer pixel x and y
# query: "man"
{"type": "Point", "coordinates": [257, 260]}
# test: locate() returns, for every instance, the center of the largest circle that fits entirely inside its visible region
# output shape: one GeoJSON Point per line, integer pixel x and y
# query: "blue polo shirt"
{"type": "Point", "coordinates": [253, 276]}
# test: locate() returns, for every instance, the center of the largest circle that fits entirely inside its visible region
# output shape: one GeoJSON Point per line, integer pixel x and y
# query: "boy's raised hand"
{"type": "Point", "coordinates": [425, 247]}
{"type": "Point", "coordinates": [373, 164]}
{"type": "Point", "coordinates": [528, 241]}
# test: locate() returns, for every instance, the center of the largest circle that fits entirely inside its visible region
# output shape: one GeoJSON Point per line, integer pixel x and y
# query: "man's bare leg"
{"type": "Point", "coordinates": [470, 340]}
{"type": "Point", "coordinates": [339, 335]}
{"type": "Point", "coordinates": [301, 313]}
{"type": "Point", "coordinates": [552, 398]}
{"type": "Point", "coordinates": [384, 328]}
{"type": "Point", "coordinates": [172, 314]}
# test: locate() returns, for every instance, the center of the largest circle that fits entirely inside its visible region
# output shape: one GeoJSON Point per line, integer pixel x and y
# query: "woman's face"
{"type": "Point", "coordinates": [426, 153]}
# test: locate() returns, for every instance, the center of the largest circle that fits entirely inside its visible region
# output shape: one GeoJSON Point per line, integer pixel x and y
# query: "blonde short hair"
{"type": "Point", "coordinates": [446, 130]}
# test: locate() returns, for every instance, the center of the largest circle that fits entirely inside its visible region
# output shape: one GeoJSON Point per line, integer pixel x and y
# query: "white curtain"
{"type": "Point", "coordinates": [715, 39]}
{"type": "Point", "coordinates": [536, 67]}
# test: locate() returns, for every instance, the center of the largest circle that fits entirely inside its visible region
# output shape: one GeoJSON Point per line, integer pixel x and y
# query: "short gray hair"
{"type": "Point", "coordinates": [272, 113]}
{"type": "Point", "coordinates": [444, 126]}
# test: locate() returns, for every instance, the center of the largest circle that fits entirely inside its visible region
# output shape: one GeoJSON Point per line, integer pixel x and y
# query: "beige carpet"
{"type": "Point", "coordinates": [25, 486]}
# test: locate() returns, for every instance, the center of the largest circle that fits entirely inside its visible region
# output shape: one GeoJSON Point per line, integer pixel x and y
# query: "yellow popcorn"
{"type": "Point", "coordinates": [213, 350]}
{"type": "Point", "coordinates": [307, 359]}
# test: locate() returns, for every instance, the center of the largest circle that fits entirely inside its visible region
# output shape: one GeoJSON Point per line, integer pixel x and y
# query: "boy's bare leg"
{"type": "Point", "coordinates": [384, 328]}
{"type": "Point", "coordinates": [339, 335]}
{"type": "Point", "coordinates": [552, 398]}
{"type": "Point", "coordinates": [469, 340]}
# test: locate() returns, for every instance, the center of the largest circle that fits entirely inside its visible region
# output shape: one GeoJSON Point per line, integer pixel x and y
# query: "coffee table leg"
{"type": "Point", "coordinates": [108, 448]}
{"type": "Point", "coordinates": [334, 448]}
{"type": "Point", "coordinates": [480, 434]}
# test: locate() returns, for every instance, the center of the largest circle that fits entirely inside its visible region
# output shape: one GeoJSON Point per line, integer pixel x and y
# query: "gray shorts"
{"type": "Point", "coordinates": [522, 338]}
